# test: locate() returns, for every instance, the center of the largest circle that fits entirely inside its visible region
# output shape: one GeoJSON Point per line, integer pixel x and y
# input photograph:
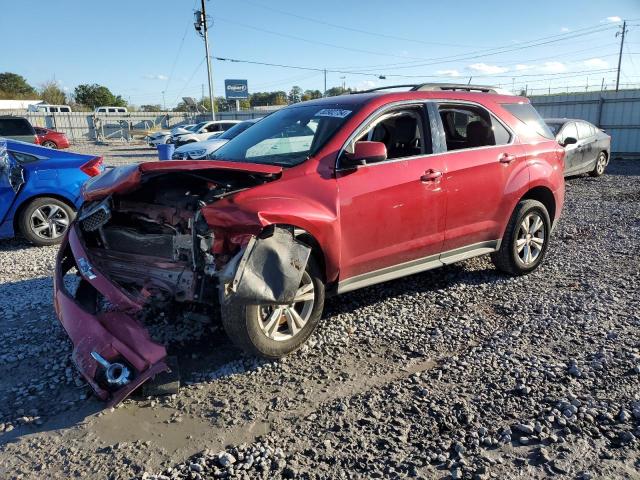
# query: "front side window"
{"type": "Point", "coordinates": [529, 116]}
{"type": "Point", "coordinates": [583, 130]}
{"type": "Point", "coordinates": [569, 131]}
{"type": "Point", "coordinates": [287, 137]}
{"type": "Point", "coordinates": [470, 126]}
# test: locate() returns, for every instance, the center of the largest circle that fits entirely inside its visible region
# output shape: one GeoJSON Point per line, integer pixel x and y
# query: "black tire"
{"type": "Point", "coordinates": [241, 323]}
{"type": "Point", "coordinates": [600, 166]}
{"type": "Point", "coordinates": [27, 226]}
{"type": "Point", "coordinates": [507, 259]}
{"type": "Point", "coordinates": [50, 144]}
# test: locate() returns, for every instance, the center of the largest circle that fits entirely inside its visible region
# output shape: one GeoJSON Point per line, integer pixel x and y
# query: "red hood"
{"type": "Point", "coordinates": [126, 178]}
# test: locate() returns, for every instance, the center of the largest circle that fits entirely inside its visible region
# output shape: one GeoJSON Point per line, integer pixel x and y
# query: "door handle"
{"type": "Point", "coordinates": [507, 158]}
{"type": "Point", "coordinates": [430, 176]}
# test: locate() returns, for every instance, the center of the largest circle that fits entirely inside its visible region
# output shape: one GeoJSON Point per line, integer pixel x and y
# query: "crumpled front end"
{"type": "Point", "coordinates": [143, 249]}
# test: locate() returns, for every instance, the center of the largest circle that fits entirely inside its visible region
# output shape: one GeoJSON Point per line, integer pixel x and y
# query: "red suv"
{"type": "Point", "coordinates": [318, 198]}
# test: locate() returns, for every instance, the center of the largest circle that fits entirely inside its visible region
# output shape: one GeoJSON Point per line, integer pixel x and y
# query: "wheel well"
{"type": "Point", "coordinates": [544, 196]}
{"type": "Point", "coordinates": [23, 205]}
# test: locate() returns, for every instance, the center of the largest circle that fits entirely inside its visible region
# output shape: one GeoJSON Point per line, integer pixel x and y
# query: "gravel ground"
{"type": "Point", "coordinates": [455, 373]}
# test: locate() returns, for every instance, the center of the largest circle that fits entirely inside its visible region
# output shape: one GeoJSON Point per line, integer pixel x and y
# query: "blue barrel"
{"type": "Point", "coordinates": [165, 151]}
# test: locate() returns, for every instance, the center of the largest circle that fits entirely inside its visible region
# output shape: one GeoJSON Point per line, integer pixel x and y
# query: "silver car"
{"type": "Point", "coordinates": [587, 148]}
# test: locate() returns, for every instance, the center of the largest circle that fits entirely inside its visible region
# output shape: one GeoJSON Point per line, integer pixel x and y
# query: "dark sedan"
{"type": "Point", "coordinates": [588, 149]}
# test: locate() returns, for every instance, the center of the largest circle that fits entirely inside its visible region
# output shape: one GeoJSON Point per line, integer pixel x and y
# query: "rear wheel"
{"type": "Point", "coordinates": [45, 220]}
{"type": "Point", "coordinates": [273, 331]}
{"type": "Point", "coordinates": [49, 144]}
{"type": "Point", "coordinates": [525, 241]}
{"type": "Point", "coordinates": [601, 165]}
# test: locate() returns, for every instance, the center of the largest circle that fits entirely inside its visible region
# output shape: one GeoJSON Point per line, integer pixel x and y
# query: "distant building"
{"type": "Point", "coordinates": [17, 104]}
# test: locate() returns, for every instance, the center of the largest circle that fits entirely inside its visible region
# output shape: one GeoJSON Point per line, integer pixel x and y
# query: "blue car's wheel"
{"type": "Point", "coordinates": [45, 220]}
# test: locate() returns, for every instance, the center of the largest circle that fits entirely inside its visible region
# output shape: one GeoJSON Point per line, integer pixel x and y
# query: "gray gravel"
{"type": "Point", "coordinates": [455, 373]}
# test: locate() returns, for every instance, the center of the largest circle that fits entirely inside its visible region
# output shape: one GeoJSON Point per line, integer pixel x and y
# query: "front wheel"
{"type": "Point", "coordinates": [273, 331]}
{"type": "Point", "coordinates": [525, 240]}
{"type": "Point", "coordinates": [45, 220]}
{"type": "Point", "coordinates": [601, 164]}
{"type": "Point", "coordinates": [49, 144]}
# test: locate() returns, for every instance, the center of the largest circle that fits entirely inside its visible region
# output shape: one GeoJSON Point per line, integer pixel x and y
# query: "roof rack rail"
{"type": "Point", "coordinates": [424, 87]}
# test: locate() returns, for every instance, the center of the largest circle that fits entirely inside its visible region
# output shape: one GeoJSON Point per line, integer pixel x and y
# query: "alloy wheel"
{"type": "Point", "coordinates": [49, 221]}
{"type": "Point", "coordinates": [283, 322]}
{"type": "Point", "coordinates": [530, 238]}
{"type": "Point", "coordinates": [49, 144]}
{"type": "Point", "coordinates": [601, 163]}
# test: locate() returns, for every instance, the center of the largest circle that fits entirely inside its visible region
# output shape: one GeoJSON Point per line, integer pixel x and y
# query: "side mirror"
{"type": "Point", "coordinates": [363, 153]}
{"type": "Point", "coordinates": [569, 141]}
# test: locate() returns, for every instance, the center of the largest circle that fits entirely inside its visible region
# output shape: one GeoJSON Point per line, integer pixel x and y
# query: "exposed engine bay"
{"type": "Point", "coordinates": [154, 241]}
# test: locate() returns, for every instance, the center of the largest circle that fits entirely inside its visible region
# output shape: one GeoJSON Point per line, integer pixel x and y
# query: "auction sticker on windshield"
{"type": "Point", "coordinates": [333, 112]}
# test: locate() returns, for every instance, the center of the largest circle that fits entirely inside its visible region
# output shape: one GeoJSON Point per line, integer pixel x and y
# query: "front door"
{"type": "Point", "coordinates": [573, 152]}
{"type": "Point", "coordinates": [392, 212]}
{"type": "Point", "coordinates": [10, 180]}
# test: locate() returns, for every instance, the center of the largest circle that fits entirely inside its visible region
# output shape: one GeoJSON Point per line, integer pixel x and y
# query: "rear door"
{"type": "Point", "coordinates": [392, 212]}
{"type": "Point", "coordinates": [482, 157]}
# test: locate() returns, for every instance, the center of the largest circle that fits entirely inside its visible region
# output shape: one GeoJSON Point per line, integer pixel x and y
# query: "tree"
{"type": "Point", "coordinates": [51, 93]}
{"type": "Point", "coordinates": [335, 91]}
{"type": "Point", "coordinates": [311, 94]}
{"type": "Point", "coordinates": [295, 94]}
{"type": "Point", "coordinates": [97, 96]}
{"type": "Point", "coordinates": [151, 108]}
{"type": "Point", "coordinates": [15, 86]}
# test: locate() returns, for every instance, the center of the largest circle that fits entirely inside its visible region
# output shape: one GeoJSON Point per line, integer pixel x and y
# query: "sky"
{"type": "Point", "coordinates": [142, 48]}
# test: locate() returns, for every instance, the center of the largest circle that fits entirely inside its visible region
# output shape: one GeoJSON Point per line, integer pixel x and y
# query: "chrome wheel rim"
{"type": "Point", "coordinates": [49, 144]}
{"type": "Point", "coordinates": [602, 161]}
{"type": "Point", "coordinates": [284, 322]}
{"type": "Point", "coordinates": [530, 238]}
{"type": "Point", "coordinates": [49, 221]}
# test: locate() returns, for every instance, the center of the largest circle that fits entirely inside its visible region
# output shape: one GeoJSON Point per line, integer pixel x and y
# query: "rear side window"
{"type": "Point", "coordinates": [529, 116]}
{"type": "Point", "coordinates": [23, 158]}
{"type": "Point", "coordinates": [584, 130]}
{"type": "Point", "coordinates": [470, 126]}
{"type": "Point", "coordinates": [65, 109]}
{"type": "Point", "coordinates": [15, 126]}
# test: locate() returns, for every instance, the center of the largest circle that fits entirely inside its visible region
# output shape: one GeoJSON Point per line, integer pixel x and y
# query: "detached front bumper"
{"type": "Point", "coordinates": [116, 335]}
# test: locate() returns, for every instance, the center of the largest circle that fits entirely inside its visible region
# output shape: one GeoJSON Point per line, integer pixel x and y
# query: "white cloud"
{"type": "Point", "coordinates": [488, 69]}
{"type": "Point", "coordinates": [554, 67]}
{"type": "Point", "coordinates": [449, 73]}
{"type": "Point", "coordinates": [596, 63]}
{"type": "Point", "coordinates": [614, 19]}
{"type": "Point", "coordinates": [156, 77]}
{"type": "Point", "coordinates": [565, 29]}
{"type": "Point", "coordinates": [523, 66]}
{"type": "Point", "coordinates": [366, 85]}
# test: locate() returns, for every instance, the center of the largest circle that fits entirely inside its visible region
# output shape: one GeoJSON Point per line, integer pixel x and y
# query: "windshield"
{"type": "Point", "coordinates": [236, 130]}
{"type": "Point", "coordinates": [555, 127]}
{"type": "Point", "coordinates": [527, 114]}
{"type": "Point", "coordinates": [196, 127]}
{"type": "Point", "coordinates": [286, 137]}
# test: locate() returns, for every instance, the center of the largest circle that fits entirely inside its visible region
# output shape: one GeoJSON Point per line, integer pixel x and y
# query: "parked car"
{"type": "Point", "coordinates": [46, 108]}
{"type": "Point", "coordinates": [587, 148]}
{"type": "Point", "coordinates": [51, 139]}
{"type": "Point", "coordinates": [203, 131]}
{"type": "Point", "coordinates": [111, 110]}
{"type": "Point", "coordinates": [17, 128]}
{"type": "Point", "coordinates": [40, 190]}
{"type": "Point", "coordinates": [165, 136]}
{"type": "Point", "coordinates": [389, 184]}
{"type": "Point", "coordinates": [200, 150]}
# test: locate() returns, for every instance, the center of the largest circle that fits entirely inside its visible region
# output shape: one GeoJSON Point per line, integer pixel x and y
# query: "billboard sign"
{"type": "Point", "coordinates": [236, 89]}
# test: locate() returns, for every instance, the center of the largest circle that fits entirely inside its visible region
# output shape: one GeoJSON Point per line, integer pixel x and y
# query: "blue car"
{"type": "Point", "coordinates": [40, 189]}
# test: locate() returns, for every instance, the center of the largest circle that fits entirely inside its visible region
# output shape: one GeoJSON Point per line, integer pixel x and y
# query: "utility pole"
{"type": "Point", "coordinates": [325, 83]}
{"type": "Point", "coordinates": [621, 34]}
{"type": "Point", "coordinates": [164, 104]}
{"type": "Point", "coordinates": [202, 27]}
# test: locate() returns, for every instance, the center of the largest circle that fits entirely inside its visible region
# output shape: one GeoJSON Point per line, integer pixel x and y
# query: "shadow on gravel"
{"type": "Point", "coordinates": [625, 168]}
{"type": "Point", "coordinates": [14, 244]}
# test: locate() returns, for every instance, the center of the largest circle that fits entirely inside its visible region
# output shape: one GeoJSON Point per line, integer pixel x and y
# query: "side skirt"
{"type": "Point", "coordinates": [417, 266]}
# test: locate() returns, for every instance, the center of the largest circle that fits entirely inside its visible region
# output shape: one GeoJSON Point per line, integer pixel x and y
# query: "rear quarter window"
{"type": "Point", "coordinates": [15, 126]}
{"type": "Point", "coordinates": [530, 117]}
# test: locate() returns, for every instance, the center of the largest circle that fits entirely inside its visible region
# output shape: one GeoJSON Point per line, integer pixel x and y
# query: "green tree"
{"type": "Point", "coordinates": [97, 96]}
{"type": "Point", "coordinates": [311, 94]}
{"type": "Point", "coordinates": [15, 86]}
{"type": "Point", "coordinates": [335, 91]}
{"type": "Point", "coordinates": [151, 108]}
{"type": "Point", "coordinates": [295, 94]}
{"type": "Point", "coordinates": [51, 93]}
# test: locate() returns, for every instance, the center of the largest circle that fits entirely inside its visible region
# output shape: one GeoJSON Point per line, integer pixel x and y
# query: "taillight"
{"type": "Point", "coordinates": [93, 167]}
{"type": "Point", "coordinates": [37, 140]}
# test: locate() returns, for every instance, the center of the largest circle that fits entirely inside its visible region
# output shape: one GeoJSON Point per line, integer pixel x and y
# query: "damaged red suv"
{"type": "Point", "coordinates": [318, 198]}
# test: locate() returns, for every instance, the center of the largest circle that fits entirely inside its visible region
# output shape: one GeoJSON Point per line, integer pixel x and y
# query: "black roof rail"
{"type": "Point", "coordinates": [424, 87]}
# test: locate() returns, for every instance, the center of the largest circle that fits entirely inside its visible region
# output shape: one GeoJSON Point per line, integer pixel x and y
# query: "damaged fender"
{"type": "Point", "coordinates": [267, 271]}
